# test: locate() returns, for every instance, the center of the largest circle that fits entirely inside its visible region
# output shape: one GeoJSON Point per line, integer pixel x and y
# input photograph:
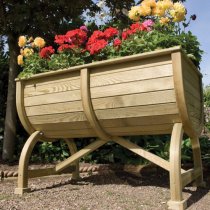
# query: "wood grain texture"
{"type": "Point", "coordinates": [88, 107]}
{"type": "Point", "coordinates": [134, 130]}
{"type": "Point", "coordinates": [21, 107]}
{"type": "Point", "coordinates": [139, 111]}
{"type": "Point", "coordinates": [112, 76]}
{"type": "Point", "coordinates": [144, 57]}
{"type": "Point", "coordinates": [111, 123]}
{"type": "Point", "coordinates": [193, 96]}
{"type": "Point", "coordinates": [180, 93]}
{"type": "Point", "coordinates": [157, 97]}
{"type": "Point", "coordinates": [100, 92]}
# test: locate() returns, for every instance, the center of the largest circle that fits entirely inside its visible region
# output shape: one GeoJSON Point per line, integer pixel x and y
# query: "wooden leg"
{"type": "Point", "coordinates": [73, 149]}
{"type": "Point", "coordinates": [23, 163]}
{"type": "Point", "coordinates": [197, 161]}
{"type": "Point", "coordinates": [81, 153]}
{"type": "Point", "coordinates": [176, 202]}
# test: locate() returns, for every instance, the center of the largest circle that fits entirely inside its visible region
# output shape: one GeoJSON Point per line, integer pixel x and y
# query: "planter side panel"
{"type": "Point", "coordinates": [193, 95]}
{"type": "Point", "coordinates": [130, 98]}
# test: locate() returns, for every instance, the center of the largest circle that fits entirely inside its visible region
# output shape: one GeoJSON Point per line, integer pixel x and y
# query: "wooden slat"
{"type": "Point", "coordinates": [167, 96]}
{"type": "Point", "coordinates": [124, 122]}
{"type": "Point", "coordinates": [130, 74]}
{"type": "Point", "coordinates": [137, 133]}
{"type": "Point", "coordinates": [139, 111]}
{"type": "Point", "coordinates": [163, 55]}
{"type": "Point", "coordinates": [191, 76]}
{"type": "Point", "coordinates": [180, 89]}
{"type": "Point", "coordinates": [76, 156]}
{"type": "Point", "coordinates": [190, 175]}
{"type": "Point", "coordinates": [99, 92]}
{"type": "Point", "coordinates": [21, 107]}
{"type": "Point", "coordinates": [114, 131]}
{"type": "Point", "coordinates": [192, 90]}
{"type": "Point", "coordinates": [143, 153]}
{"type": "Point", "coordinates": [192, 100]}
{"type": "Point", "coordinates": [32, 173]}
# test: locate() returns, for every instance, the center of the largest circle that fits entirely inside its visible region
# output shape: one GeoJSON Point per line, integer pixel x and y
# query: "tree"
{"type": "Point", "coordinates": [3, 87]}
{"type": "Point", "coordinates": [36, 18]}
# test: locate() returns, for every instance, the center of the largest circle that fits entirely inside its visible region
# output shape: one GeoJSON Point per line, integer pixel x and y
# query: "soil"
{"type": "Point", "coordinates": [99, 191]}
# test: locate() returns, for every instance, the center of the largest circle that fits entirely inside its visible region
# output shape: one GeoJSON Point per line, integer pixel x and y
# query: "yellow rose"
{"type": "Point", "coordinates": [20, 60]}
{"type": "Point", "coordinates": [159, 10]}
{"type": "Point", "coordinates": [178, 12]}
{"type": "Point", "coordinates": [27, 52]}
{"type": "Point", "coordinates": [39, 42]}
{"type": "Point", "coordinates": [164, 20]}
{"type": "Point", "coordinates": [149, 3]}
{"type": "Point", "coordinates": [167, 4]}
{"type": "Point", "coordinates": [22, 41]}
{"type": "Point", "coordinates": [133, 14]}
{"type": "Point", "coordinates": [145, 10]}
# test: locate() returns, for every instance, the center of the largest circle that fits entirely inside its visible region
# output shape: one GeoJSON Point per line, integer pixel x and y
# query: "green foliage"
{"type": "Point", "coordinates": [206, 96]}
{"type": "Point", "coordinates": [160, 37]}
{"type": "Point", "coordinates": [49, 152]}
{"type": "Point", "coordinates": [64, 60]}
{"type": "Point", "coordinates": [34, 65]}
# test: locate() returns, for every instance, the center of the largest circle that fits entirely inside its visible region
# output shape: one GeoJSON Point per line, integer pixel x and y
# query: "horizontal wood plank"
{"type": "Point", "coordinates": [100, 92]}
{"type": "Point", "coordinates": [139, 111]}
{"type": "Point", "coordinates": [98, 68]}
{"type": "Point", "coordinates": [158, 97]}
{"type": "Point", "coordinates": [130, 74]}
{"type": "Point", "coordinates": [127, 131]}
{"type": "Point", "coordinates": [123, 122]}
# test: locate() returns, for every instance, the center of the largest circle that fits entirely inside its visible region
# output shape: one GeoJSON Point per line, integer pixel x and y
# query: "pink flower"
{"type": "Point", "coordinates": [148, 24]}
{"type": "Point", "coordinates": [84, 28]}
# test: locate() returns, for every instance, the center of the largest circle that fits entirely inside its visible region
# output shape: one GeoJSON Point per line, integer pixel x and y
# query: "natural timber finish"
{"type": "Point", "coordinates": [23, 163]}
{"type": "Point", "coordinates": [161, 84]}
{"type": "Point", "coordinates": [73, 149]}
{"type": "Point", "coordinates": [157, 92]}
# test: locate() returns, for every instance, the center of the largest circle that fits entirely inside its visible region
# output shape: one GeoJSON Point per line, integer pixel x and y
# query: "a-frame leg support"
{"type": "Point", "coordinates": [197, 162]}
{"type": "Point", "coordinates": [23, 163]}
{"type": "Point", "coordinates": [73, 149]}
{"type": "Point", "coordinates": [177, 202]}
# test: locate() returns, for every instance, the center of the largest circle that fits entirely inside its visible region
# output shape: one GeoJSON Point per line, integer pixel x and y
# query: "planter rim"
{"type": "Point", "coordinates": [114, 61]}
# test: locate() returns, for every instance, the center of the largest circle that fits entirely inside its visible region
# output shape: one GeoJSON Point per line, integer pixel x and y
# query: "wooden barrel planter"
{"type": "Point", "coordinates": [157, 92]}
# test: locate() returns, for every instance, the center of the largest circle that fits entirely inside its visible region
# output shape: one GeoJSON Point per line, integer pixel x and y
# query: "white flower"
{"type": "Point", "coordinates": [101, 4]}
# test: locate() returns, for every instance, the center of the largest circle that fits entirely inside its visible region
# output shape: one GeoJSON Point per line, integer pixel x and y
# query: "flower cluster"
{"type": "Point", "coordinates": [136, 27]}
{"type": "Point", "coordinates": [28, 46]}
{"type": "Point", "coordinates": [100, 39]}
{"type": "Point", "coordinates": [154, 28]}
{"type": "Point", "coordinates": [72, 39]}
{"type": "Point", "coordinates": [164, 10]}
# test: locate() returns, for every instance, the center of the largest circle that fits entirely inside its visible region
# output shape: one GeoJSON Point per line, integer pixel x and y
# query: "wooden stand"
{"type": "Point", "coordinates": [179, 177]}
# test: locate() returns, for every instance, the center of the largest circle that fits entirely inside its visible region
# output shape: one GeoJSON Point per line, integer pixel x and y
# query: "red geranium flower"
{"type": "Point", "coordinates": [97, 46]}
{"type": "Point", "coordinates": [117, 42]}
{"type": "Point", "coordinates": [77, 36]}
{"type": "Point", "coordinates": [46, 52]}
{"type": "Point", "coordinates": [127, 33]}
{"type": "Point", "coordinates": [61, 39]}
{"type": "Point", "coordinates": [137, 27]}
{"type": "Point", "coordinates": [111, 32]}
{"type": "Point", "coordinates": [64, 47]}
